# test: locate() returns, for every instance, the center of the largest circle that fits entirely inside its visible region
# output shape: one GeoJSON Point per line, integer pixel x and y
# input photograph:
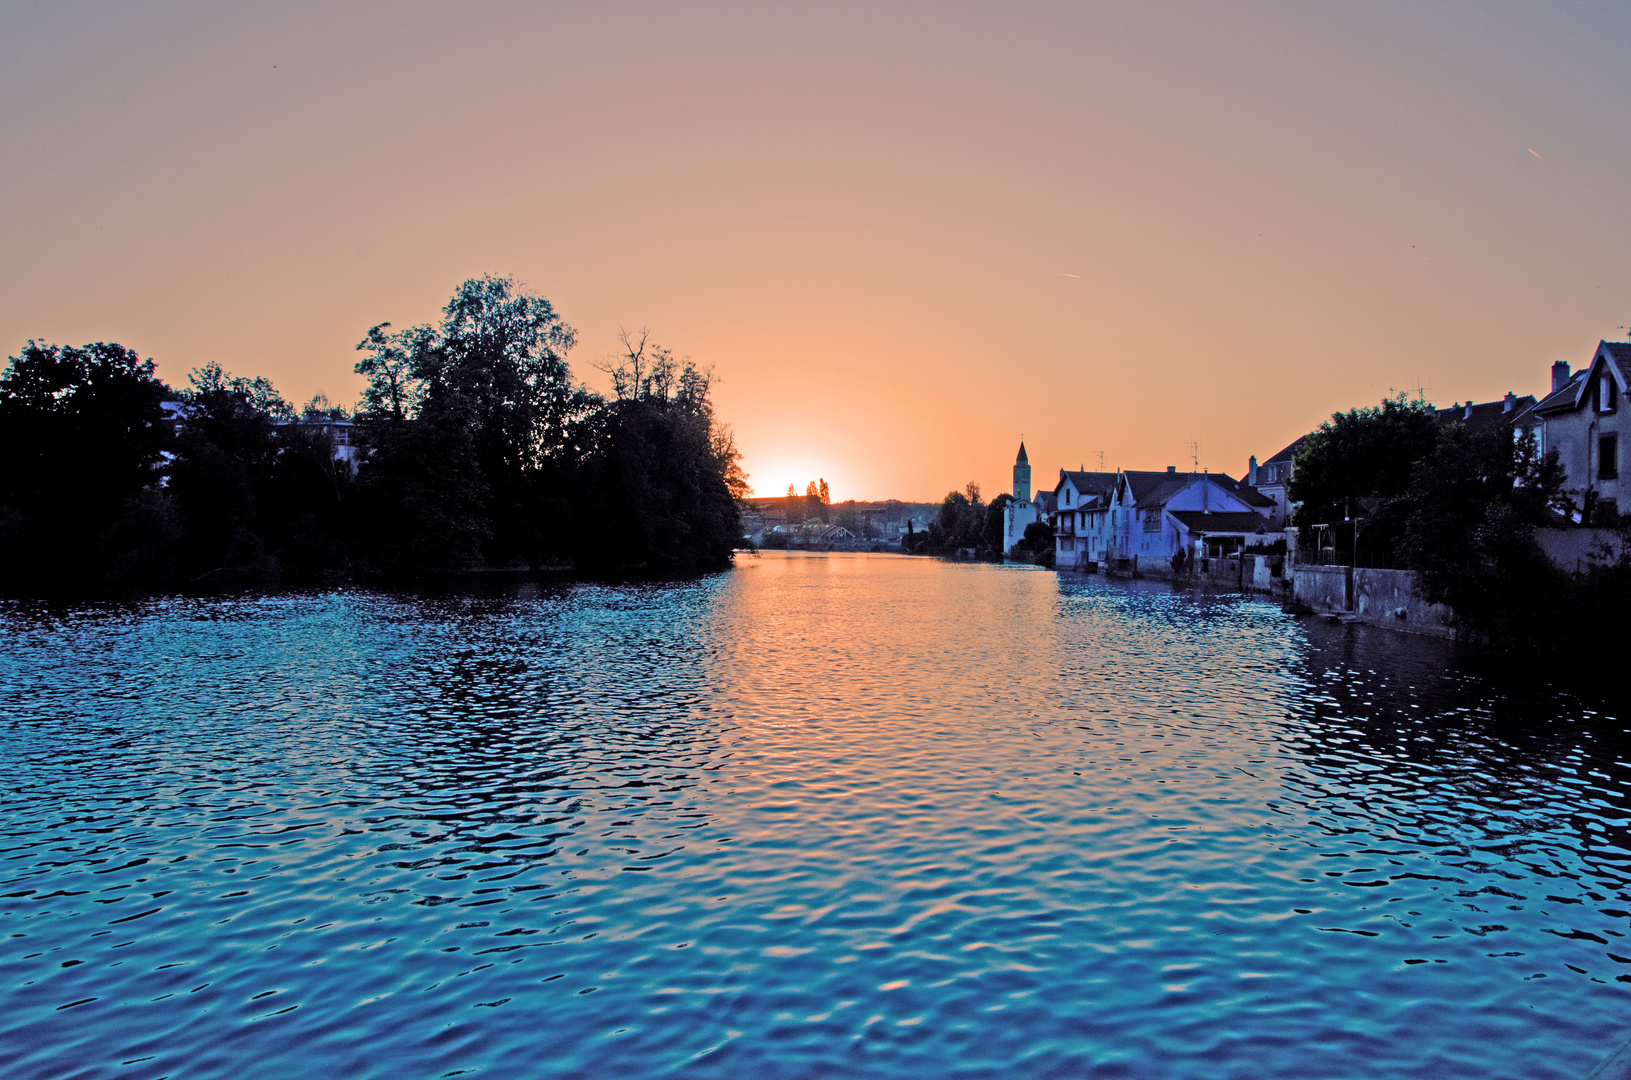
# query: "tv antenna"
{"type": "Point", "coordinates": [1101, 460]}
{"type": "Point", "coordinates": [1195, 455]}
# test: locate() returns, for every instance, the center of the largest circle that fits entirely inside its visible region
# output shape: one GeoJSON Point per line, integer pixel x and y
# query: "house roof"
{"type": "Point", "coordinates": [1047, 500]}
{"type": "Point", "coordinates": [1089, 483]}
{"type": "Point", "coordinates": [1619, 353]}
{"type": "Point", "coordinates": [1151, 488]}
{"type": "Point", "coordinates": [1155, 488]}
{"type": "Point", "coordinates": [1288, 453]}
{"type": "Point", "coordinates": [1233, 524]}
{"type": "Point", "coordinates": [1242, 491]}
{"type": "Point", "coordinates": [1565, 397]}
{"type": "Point", "coordinates": [1615, 355]}
{"type": "Point", "coordinates": [1485, 416]}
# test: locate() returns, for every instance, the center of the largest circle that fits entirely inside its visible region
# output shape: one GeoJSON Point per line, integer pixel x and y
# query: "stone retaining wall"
{"type": "Point", "coordinates": [1388, 598]}
{"type": "Point", "coordinates": [1378, 597]}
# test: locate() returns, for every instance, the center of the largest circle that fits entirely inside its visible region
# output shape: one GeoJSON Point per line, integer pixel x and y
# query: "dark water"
{"type": "Point", "coordinates": [841, 816]}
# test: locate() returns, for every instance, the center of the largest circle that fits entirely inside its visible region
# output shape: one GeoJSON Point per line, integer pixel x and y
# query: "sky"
{"type": "Point", "coordinates": [904, 235]}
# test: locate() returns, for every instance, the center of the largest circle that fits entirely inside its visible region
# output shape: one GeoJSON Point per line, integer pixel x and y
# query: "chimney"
{"type": "Point", "coordinates": [1466, 414]}
{"type": "Point", "coordinates": [1172, 468]}
{"type": "Point", "coordinates": [1506, 402]}
{"type": "Point", "coordinates": [1251, 471]}
{"type": "Point", "coordinates": [1560, 375]}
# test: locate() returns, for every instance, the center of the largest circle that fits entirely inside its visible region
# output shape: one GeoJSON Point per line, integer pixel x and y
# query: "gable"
{"type": "Point", "coordinates": [1613, 357]}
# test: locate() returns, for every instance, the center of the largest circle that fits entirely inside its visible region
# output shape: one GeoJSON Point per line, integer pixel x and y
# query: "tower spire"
{"type": "Point", "coordinates": [1022, 474]}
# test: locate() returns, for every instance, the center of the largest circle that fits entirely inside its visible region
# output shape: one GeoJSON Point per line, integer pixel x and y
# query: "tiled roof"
{"type": "Point", "coordinates": [1288, 453]}
{"type": "Point", "coordinates": [1155, 488]}
{"type": "Point", "coordinates": [1046, 500]}
{"type": "Point", "coordinates": [1197, 521]}
{"type": "Point", "coordinates": [1486, 415]}
{"type": "Point", "coordinates": [1620, 353]}
{"type": "Point", "coordinates": [1093, 483]}
{"type": "Point", "coordinates": [1566, 397]}
{"type": "Point", "coordinates": [1572, 393]}
{"type": "Point", "coordinates": [1243, 491]}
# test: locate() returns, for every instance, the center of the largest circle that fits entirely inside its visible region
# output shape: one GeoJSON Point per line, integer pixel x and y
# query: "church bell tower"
{"type": "Point", "coordinates": [1022, 476]}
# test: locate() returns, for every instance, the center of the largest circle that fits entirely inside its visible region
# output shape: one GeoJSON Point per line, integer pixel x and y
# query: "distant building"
{"type": "Point", "coordinates": [340, 433]}
{"type": "Point", "coordinates": [1022, 511]}
{"type": "Point", "coordinates": [1270, 479]}
{"type": "Point", "coordinates": [339, 430]}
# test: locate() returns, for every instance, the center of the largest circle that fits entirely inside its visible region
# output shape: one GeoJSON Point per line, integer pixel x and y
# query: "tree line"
{"type": "Point", "coordinates": [964, 523]}
{"type": "Point", "coordinates": [1394, 487]}
{"type": "Point", "coordinates": [475, 447]}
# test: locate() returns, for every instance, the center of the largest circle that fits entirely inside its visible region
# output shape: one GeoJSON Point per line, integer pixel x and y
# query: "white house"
{"type": "Point", "coordinates": [1118, 518]}
{"type": "Point", "coordinates": [1580, 419]}
{"type": "Point", "coordinates": [1074, 496]}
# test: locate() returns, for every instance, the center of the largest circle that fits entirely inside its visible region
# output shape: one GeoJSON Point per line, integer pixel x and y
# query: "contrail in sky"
{"type": "Point", "coordinates": [1062, 274]}
{"type": "Point", "coordinates": [1537, 156]}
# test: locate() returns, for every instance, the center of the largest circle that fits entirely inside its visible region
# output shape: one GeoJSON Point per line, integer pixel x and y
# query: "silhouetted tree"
{"type": "Point", "coordinates": [1036, 545]}
{"type": "Point", "coordinates": [1363, 454]}
{"type": "Point", "coordinates": [661, 483]}
{"type": "Point", "coordinates": [497, 364]}
{"type": "Point", "coordinates": [1470, 515]}
{"type": "Point", "coordinates": [991, 534]}
{"type": "Point", "coordinates": [795, 507]}
{"type": "Point", "coordinates": [959, 523]}
{"type": "Point", "coordinates": [82, 431]}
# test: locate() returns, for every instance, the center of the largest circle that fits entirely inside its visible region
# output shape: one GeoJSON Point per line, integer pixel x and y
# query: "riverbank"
{"type": "Point", "coordinates": [1383, 598]}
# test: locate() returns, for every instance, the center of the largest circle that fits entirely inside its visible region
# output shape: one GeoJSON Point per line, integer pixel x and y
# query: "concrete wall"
{"type": "Point", "coordinates": [1377, 597]}
{"type": "Point", "coordinates": [1263, 578]}
{"type": "Point", "coordinates": [1258, 575]}
{"type": "Point", "coordinates": [1324, 589]}
{"type": "Point", "coordinates": [1388, 598]}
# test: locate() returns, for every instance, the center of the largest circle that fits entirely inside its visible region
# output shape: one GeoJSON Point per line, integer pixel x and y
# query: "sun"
{"type": "Point", "coordinates": [770, 477]}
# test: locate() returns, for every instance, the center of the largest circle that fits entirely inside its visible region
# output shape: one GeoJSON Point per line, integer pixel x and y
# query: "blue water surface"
{"type": "Point", "coordinates": [817, 816]}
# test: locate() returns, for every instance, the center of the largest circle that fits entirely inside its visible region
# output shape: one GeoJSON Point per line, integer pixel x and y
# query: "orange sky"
{"type": "Point", "coordinates": [903, 234]}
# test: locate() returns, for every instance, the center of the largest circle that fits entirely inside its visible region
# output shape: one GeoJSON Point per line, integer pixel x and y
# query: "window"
{"type": "Point", "coordinates": [1608, 460]}
{"type": "Point", "coordinates": [1152, 521]}
{"type": "Point", "coordinates": [1605, 393]}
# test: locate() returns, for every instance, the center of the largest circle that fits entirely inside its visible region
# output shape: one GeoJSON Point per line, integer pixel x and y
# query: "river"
{"type": "Point", "coordinates": [838, 815]}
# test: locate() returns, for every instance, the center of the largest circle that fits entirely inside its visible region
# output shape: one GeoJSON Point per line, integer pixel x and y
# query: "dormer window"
{"type": "Point", "coordinates": [1605, 393]}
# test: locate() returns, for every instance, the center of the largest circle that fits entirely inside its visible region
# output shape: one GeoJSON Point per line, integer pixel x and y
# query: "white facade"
{"type": "Point", "coordinates": [1580, 419]}
{"type": "Point", "coordinates": [1133, 517]}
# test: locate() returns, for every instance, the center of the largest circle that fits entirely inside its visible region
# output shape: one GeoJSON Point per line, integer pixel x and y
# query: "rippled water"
{"type": "Point", "coordinates": [819, 816]}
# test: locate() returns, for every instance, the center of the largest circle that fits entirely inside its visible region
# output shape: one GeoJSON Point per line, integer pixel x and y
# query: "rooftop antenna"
{"type": "Point", "coordinates": [1195, 456]}
{"type": "Point", "coordinates": [1101, 460]}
